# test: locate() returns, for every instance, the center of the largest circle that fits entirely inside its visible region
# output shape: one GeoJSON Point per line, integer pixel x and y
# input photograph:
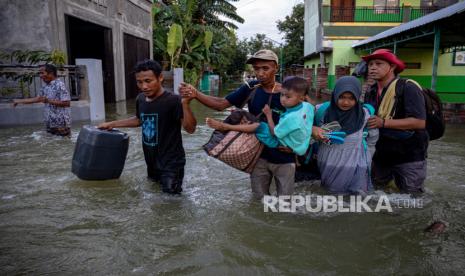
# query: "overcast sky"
{"type": "Point", "coordinates": [261, 16]}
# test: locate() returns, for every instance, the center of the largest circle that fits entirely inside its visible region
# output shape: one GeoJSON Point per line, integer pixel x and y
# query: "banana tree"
{"type": "Point", "coordinates": [196, 56]}
{"type": "Point", "coordinates": [198, 25]}
{"type": "Point", "coordinates": [174, 43]}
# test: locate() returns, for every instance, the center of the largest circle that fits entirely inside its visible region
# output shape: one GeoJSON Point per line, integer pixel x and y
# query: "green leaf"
{"type": "Point", "coordinates": [198, 56]}
{"type": "Point", "coordinates": [198, 41]}
{"type": "Point", "coordinates": [186, 57]}
{"type": "Point", "coordinates": [174, 39]}
{"type": "Point", "coordinates": [208, 39]}
{"type": "Point", "coordinates": [160, 45]}
{"type": "Point", "coordinates": [58, 57]}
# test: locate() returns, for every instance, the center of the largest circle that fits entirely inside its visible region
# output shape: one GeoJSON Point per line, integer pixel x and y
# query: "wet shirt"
{"type": "Point", "coordinates": [56, 116]}
{"type": "Point", "coordinates": [255, 107]}
{"type": "Point", "coordinates": [161, 126]}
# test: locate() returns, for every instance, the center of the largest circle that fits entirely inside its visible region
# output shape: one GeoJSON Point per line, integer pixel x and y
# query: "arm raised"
{"type": "Point", "coordinates": [188, 91]}
{"type": "Point", "coordinates": [189, 122]}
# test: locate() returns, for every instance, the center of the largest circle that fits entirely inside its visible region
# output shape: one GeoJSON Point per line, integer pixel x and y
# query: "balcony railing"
{"type": "Point", "coordinates": [375, 14]}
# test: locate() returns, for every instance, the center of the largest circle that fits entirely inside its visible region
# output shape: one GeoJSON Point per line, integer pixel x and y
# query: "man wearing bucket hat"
{"type": "Point", "coordinates": [273, 163]}
{"type": "Point", "coordinates": [402, 146]}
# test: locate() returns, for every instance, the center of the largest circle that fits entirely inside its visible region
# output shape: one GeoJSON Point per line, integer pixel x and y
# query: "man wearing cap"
{"type": "Point", "coordinates": [402, 146]}
{"type": "Point", "coordinates": [273, 163]}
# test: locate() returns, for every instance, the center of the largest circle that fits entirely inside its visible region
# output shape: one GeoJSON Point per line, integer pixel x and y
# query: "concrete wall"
{"type": "Point", "coordinates": [40, 25]}
{"type": "Point", "coordinates": [34, 113]}
{"type": "Point", "coordinates": [19, 33]}
{"type": "Point", "coordinates": [133, 17]}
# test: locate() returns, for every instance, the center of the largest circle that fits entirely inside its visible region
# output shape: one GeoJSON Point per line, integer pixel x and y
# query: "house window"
{"type": "Point", "coordinates": [386, 6]}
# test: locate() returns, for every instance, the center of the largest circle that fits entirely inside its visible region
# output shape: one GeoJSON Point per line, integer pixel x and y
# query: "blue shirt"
{"type": "Point", "coordinates": [255, 106]}
{"type": "Point", "coordinates": [295, 127]}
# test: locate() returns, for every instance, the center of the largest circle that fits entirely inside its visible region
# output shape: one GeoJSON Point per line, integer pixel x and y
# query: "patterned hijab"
{"type": "Point", "coordinates": [351, 120]}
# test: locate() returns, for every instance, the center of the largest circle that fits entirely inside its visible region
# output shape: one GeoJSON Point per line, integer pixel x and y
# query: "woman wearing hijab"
{"type": "Point", "coordinates": [344, 158]}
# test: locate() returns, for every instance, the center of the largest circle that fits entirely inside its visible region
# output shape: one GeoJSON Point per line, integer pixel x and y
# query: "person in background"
{"type": "Point", "coordinates": [161, 115]}
{"type": "Point", "coordinates": [55, 96]}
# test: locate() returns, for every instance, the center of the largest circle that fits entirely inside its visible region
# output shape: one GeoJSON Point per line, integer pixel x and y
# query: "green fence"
{"type": "Point", "coordinates": [364, 14]}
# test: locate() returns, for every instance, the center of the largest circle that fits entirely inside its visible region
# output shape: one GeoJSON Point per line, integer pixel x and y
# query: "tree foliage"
{"type": "Point", "coordinates": [293, 29]}
{"type": "Point", "coordinates": [258, 42]}
{"type": "Point", "coordinates": [209, 41]}
{"type": "Point", "coordinates": [211, 12]}
{"type": "Point", "coordinates": [32, 57]}
{"type": "Point", "coordinates": [194, 34]}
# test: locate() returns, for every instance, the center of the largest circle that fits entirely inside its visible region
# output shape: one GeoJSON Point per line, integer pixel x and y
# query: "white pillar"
{"type": "Point", "coordinates": [96, 97]}
{"type": "Point", "coordinates": [178, 77]}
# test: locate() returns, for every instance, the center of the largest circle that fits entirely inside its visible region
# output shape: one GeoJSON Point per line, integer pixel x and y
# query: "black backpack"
{"type": "Point", "coordinates": [435, 123]}
{"type": "Point", "coordinates": [361, 69]}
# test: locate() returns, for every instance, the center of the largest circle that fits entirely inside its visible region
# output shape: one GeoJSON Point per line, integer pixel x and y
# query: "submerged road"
{"type": "Point", "coordinates": [53, 223]}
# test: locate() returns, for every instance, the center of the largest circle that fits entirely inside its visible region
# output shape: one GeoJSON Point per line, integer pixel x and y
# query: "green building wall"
{"type": "Point", "coordinates": [342, 54]}
{"type": "Point", "coordinates": [450, 81]}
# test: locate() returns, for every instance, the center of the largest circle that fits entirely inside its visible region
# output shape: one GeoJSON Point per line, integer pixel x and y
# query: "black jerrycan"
{"type": "Point", "coordinates": [99, 154]}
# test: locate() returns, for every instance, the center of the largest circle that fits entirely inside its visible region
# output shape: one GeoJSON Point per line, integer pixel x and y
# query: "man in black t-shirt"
{"type": "Point", "coordinates": [402, 147]}
{"type": "Point", "coordinates": [161, 115]}
{"type": "Point", "coordinates": [277, 163]}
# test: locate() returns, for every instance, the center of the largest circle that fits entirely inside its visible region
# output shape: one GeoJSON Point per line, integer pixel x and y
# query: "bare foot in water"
{"type": "Point", "coordinates": [214, 124]}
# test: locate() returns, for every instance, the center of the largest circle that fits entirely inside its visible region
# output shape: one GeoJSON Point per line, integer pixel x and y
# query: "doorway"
{"type": "Point", "coordinates": [135, 50]}
{"type": "Point", "coordinates": [89, 40]}
{"type": "Point", "coordinates": [342, 10]}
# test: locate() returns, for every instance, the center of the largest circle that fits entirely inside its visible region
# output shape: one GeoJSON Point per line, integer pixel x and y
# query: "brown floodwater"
{"type": "Point", "coordinates": [51, 222]}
